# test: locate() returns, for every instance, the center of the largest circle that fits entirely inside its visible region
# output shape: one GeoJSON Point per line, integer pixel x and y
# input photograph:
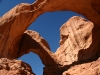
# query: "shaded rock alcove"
{"type": "Point", "coordinates": [78, 44]}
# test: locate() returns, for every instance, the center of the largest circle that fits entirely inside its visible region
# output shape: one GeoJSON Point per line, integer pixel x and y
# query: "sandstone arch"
{"type": "Point", "coordinates": [21, 16]}
{"type": "Point", "coordinates": [32, 11]}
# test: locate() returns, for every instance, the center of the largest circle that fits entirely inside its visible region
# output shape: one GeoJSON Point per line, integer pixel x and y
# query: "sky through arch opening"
{"type": "Point", "coordinates": [48, 25]}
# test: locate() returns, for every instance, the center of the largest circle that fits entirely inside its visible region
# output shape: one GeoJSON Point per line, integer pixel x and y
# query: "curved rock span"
{"type": "Point", "coordinates": [85, 7]}
{"type": "Point", "coordinates": [78, 44]}
{"type": "Point", "coordinates": [21, 16]}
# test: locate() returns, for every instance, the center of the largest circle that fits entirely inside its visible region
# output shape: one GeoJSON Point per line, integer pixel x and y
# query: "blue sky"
{"type": "Point", "coordinates": [48, 25]}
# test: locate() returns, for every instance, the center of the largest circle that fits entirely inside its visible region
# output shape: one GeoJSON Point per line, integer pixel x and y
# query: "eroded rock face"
{"type": "Point", "coordinates": [14, 67]}
{"type": "Point", "coordinates": [78, 45]}
{"type": "Point", "coordinates": [91, 68]}
{"type": "Point", "coordinates": [78, 36]}
{"type": "Point", "coordinates": [12, 26]}
{"type": "Point", "coordinates": [78, 41]}
{"type": "Point", "coordinates": [21, 16]}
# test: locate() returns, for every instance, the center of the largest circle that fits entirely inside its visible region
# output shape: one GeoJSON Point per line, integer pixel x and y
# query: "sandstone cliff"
{"type": "Point", "coordinates": [79, 45]}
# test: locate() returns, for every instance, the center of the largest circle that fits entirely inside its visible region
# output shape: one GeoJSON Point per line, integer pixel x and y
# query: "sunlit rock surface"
{"type": "Point", "coordinates": [14, 67]}
{"type": "Point", "coordinates": [79, 42]}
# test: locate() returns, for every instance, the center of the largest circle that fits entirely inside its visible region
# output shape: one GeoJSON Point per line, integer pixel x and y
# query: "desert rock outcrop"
{"type": "Point", "coordinates": [21, 16]}
{"type": "Point", "coordinates": [91, 68]}
{"type": "Point", "coordinates": [78, 44]}
{"type": "Point", "coordinates": [14, 67]}
{"type": "Point", "coordinates": [78, 41]}
{"type": "Point", "coordinates": [12, 26]}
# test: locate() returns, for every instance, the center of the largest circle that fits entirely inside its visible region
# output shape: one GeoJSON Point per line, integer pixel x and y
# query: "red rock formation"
{"type": "Point", "coordinates": [32, 41]}
{"type": "Point", "coordinates": [12, 26]}
{"type": "Point", "coordinates": [78, 36]}
{"type": "Point", "coordinates": [21, 16]}
{"type": "Point", "coordinates": [78, 41]}
{"type": "Point", "coordinates": [14, 67]}
{"type": "Point", "coordinates": [83, 7]}
{"type": "Point", "coordinates": [91, 68]}
{"type": "Point", "coordinates": [78, 45]}
{"type": "Point", "coordinates": [79, 48]}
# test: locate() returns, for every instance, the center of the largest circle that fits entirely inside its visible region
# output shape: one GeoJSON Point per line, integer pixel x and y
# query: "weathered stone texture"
{"type": "Point", "coordinates": [79, 47]}
{"type": "Point", "coordinates": [78, 41]}
{"type": "Point", "coordinates": [91, 68]}
{"type": "Point", "coordinates": [14, 67]}
{"type": "Point", "coordinates": [79, 37]}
